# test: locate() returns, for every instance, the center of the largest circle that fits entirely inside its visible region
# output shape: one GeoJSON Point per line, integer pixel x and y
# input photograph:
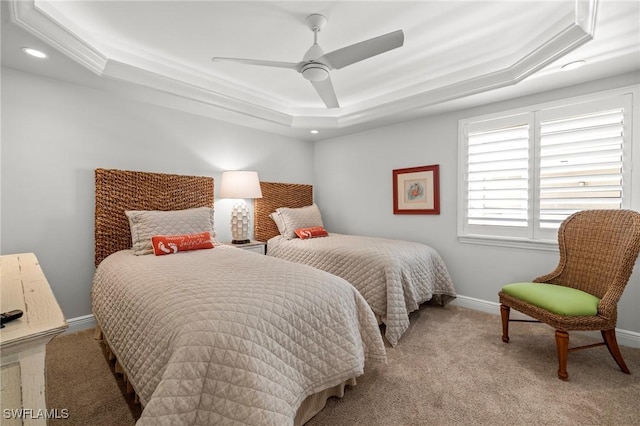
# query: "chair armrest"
{"type": "Point", "coordinates": [608, 306]}
{"type": "Point", "coordinates": [548, 278]}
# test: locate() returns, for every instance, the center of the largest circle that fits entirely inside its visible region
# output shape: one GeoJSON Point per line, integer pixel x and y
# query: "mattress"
{"type": "Point", "coordinates": [394, 276]}
{"type": "Point", "coordinates": [226, 336]}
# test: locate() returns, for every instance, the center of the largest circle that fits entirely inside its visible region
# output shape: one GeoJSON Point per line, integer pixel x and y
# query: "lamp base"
{"type": "Point", "coordinates": [240, 223]}
{"type": "Point", "coordinates": [240, 241]}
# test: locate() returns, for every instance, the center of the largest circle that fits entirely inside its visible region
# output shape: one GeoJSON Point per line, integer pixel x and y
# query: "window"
{"type": "Point", "coordinates": [524, 172]}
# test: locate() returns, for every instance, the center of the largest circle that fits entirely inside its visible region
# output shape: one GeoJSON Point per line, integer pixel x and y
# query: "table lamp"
{"type": "Point", "coordinates": [239, 185]}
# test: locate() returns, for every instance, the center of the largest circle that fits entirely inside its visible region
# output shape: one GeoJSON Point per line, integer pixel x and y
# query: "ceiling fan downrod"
{"type": "Point", "coordinates": [311, 70]}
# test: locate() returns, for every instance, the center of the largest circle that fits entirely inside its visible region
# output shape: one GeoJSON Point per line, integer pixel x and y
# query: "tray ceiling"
{"type": "Point", "coordinates": [452, 51]}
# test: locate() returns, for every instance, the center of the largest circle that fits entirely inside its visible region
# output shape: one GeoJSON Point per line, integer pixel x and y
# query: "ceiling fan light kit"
{"type": "Point", "coordinates": [316, 64]}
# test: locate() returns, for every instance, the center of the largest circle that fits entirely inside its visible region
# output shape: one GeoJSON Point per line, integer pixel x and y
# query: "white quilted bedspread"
{"type": "Point", "coordinates": [225, 336]}
{"type": "Point", "coordinates": [394, 276]}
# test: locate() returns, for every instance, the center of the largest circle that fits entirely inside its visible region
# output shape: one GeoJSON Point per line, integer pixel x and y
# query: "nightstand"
{"type": "Point", "coordinates": [254, 246]}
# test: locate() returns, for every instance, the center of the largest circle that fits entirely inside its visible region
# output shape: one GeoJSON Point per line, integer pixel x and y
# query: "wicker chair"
{"type": "Point", "coordinates": [598, 249]}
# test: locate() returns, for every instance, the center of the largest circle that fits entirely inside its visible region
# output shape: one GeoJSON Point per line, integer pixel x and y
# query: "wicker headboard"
{"type": "Point", "coordinates": [120, 190]}
{"type": "Point", "coordinates": [276, 195]}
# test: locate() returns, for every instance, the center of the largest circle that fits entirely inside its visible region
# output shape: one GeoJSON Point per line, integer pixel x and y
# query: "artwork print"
{"type": "Point", "coordinates": [416, 190]}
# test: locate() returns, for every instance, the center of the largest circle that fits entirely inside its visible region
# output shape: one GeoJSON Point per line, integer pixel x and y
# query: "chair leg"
{"type": "Point", "coordinates": [504, 314]}
{"type": "Point", "coordinates": [610, 340]}
{"type": "Point", "coordinates": [562, 343]}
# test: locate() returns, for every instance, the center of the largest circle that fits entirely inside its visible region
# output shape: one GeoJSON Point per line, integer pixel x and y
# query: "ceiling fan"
{"type": "Point", "coordinates": [315, 64]}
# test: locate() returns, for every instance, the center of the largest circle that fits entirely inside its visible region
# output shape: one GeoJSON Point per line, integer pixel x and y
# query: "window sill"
{"type": "Point", "coordinates": [523, 243]}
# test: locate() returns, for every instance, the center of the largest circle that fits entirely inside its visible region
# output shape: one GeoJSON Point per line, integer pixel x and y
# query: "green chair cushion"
{"type": "Point", "coordinates": [557, 299]}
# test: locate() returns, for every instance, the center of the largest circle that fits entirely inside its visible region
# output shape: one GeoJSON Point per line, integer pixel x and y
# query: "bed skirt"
{"type": "Point", "coordinates": [311, 406]}
{"type": "Point", "coordinates": [316, 402]}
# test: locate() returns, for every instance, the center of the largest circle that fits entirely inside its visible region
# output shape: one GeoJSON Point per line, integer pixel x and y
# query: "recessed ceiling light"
{"type": "Point", "coordinates": [573, 65]}
{"type": "Point", "coordinates": [34, 52]}
{"type": "Point", "coordinates": [314, 132]}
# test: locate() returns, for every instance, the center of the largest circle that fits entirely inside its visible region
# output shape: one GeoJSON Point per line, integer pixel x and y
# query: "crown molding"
{"type": "Point", "coordinates": [222, 96]}
{"type": "Point", "coordinates": [25, 14]}
{"type": "Point", "coordinates": [184, 89]}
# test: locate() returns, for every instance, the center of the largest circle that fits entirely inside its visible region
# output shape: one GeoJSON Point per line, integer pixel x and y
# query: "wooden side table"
{"type": "Point", "coordinates": [23, 341]}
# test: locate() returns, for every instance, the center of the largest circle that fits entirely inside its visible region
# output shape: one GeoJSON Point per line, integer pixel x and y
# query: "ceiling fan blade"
{"type": "Point", "coordinates": [326, 92]}
{"type": "Point", "coordinates": [365, 49]}
{"type": "Point", "coordinates": [290, 65]}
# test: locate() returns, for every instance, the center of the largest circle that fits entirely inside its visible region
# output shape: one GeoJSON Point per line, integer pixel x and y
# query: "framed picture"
{"type": "Point", "coordinates": [416, 190]}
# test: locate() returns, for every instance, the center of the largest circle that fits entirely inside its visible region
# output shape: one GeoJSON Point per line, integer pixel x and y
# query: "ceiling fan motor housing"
{"type": "Point", "coordinates": [315, 71]}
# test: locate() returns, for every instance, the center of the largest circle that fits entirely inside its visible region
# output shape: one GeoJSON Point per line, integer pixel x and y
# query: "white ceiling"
{"type": "Point", "coordinates": [455, 53]}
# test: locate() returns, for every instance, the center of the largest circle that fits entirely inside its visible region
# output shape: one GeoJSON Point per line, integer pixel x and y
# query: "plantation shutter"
{"type": "Point", "coordinates": [498, 174]}
{"type": "Point", "coordinates": [525, 172]}
{"type": "Point", "coordinates": [581, 164]}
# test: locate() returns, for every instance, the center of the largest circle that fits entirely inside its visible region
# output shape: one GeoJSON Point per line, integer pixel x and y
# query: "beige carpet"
{"type": "Point", "coordinates": [451, 367]}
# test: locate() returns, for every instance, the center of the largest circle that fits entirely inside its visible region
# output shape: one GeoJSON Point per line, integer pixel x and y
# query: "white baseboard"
{"type": "Point", "coordinates": [80, 323]}
{"type": "Point", "coordinates": [628, 338]}
{"type": "Point", "coordinates": [625, 337]}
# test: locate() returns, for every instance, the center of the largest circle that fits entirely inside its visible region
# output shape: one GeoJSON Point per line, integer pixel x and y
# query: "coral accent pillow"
{"type": "Point", "coordinates": [170, 244]}
{"type": "Point", "coordinates": [313, 232]}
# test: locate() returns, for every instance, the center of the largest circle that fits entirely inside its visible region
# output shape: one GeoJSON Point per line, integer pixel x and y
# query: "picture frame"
{"type": "Point", "coordinates": [416, 190]}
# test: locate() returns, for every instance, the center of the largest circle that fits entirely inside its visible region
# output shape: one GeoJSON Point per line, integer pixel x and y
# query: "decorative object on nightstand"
{"type": "Point", "coordinates": [240, 184]}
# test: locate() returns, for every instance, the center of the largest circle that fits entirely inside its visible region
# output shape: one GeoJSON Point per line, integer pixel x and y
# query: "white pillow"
{"type": "Point", "coordinates": [276, 218]}
{"type": "Point", "coordinates": [295, 218]}
{"type": "Point", "coordinates": [145, 224]}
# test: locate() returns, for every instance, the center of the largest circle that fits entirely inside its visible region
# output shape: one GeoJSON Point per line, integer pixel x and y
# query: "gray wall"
{"type": "Point", "coordinates": [353, 188]}
{"type": "Point", "coordinates": [54, 134]}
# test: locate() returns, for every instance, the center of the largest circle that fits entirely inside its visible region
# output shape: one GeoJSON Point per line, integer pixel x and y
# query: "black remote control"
{"type": "Point", "coordinates": [5, 317]}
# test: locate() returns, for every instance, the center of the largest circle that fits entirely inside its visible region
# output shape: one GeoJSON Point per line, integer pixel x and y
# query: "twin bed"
{"type": "Point", "coordinates": [394, 276]}
{"type": "Point", "coordinates": [225, 336]}
{"type": "Point", "coordinates": [222, 335]}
